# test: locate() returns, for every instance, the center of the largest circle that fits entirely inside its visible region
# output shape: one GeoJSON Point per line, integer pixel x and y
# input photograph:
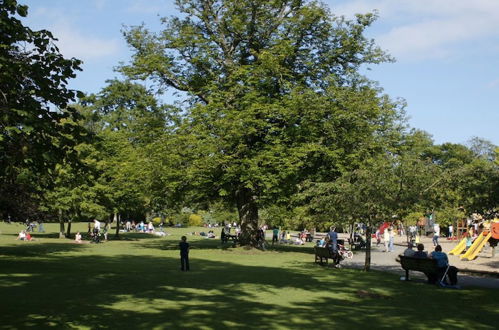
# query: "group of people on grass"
{"type": "Point", "coordinates": [142, 227]}
{"type": "Point", "coordinates": [278, 235]}
{"type": "Point", "coordinates": [25, 235]}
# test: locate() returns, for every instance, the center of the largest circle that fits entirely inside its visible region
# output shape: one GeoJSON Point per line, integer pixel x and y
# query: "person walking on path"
{"type": "Point", "coordinates": [184, 254]}
{"type": "Point", "coordinates": [436, 234]}
{"type": "Point", "coordinates": [391, 235]}
{"type": "Point", "coordinates": [386, 238]}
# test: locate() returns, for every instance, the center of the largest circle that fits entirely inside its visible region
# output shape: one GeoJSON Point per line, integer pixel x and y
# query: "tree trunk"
{"type": "Point", "coordinates": [248, 216]}
{"type": "Point", "coordinates": [117, 234]}
{"type": "Point", "coordinates": [61, 225]}
{"type": "Point", "coordinates": [367, 264]}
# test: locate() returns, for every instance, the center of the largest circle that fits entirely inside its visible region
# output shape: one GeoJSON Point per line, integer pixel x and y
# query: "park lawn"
{"type": "Point", "coordinates": [135, 283]}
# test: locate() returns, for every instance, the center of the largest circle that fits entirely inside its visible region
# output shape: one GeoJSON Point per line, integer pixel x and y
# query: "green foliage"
{"type": "Point", "coordinates": [37, 128]}
{"type": "Point", "coordinates": [275, 96]}
{"type": "Point", "coordinates": [219, 213]}
{"type": "Point", "coordinates": [138, 167]}
{"type": "Point", "coordinates": [279, 125]}
{"type": "Point", "coordinates": [412, 218]}
{"type": "Point", "coordinates": [449, 216]}
{"type": "Point", "coordinates": [181, 218]}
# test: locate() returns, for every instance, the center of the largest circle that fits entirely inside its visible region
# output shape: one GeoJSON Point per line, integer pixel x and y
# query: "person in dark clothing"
{"type": "Point", "coordinates": [333, 238]}
{"type": "Point", "coordinates": [334, 252]}
{"type": "Point", "coordinates": [275, 235]}
{"type": "Point", "coordinates": [184, 254]}
{"type": "Point", "coordinates": [420, 253]}
{"type": "Point", "coordinates": [223, 236]}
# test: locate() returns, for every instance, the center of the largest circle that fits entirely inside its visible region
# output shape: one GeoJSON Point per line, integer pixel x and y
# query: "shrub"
{"type": "Point", "coordinates": [195, 220]}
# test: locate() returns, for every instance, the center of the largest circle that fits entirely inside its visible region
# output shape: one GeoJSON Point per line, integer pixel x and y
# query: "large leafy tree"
{"type": "Point", "coordinates": [387, 184]}
{"type": "Point", "coordinates": [138, 149]}
{"type": "Point", "coordinates": [35, 133]}
{"type": "Point", "coordinates": [274, 95]}
{"type": "Point", "coordinates": [469, 177]}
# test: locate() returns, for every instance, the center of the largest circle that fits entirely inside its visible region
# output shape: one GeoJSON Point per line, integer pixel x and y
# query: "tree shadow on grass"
{"type": "Point", "coordinates": [208, 243]}
{"type": "Point", "coordinates": [196, 243]}
{"type": "Point", "coordinates": [308, 249]}
{"type": "Point", "coordinates": [35, 249]}
{"type": "Point", "coordinates": [145, 292]}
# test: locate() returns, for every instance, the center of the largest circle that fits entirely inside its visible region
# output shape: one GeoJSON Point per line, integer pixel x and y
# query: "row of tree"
{"type": "Point", "coordinates": [273, 123]}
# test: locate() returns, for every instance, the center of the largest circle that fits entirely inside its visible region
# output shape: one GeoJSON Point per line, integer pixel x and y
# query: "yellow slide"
{"type": "Point", "coordinates": [476, 247]}
{"type": "Point", "coordinates": [459, 248]}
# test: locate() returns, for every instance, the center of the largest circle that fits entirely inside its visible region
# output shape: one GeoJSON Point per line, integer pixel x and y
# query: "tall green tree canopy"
{"type": "Point", "coordinates": [275, 94]}
{"type": "Point", "coordinates": [35, 133]}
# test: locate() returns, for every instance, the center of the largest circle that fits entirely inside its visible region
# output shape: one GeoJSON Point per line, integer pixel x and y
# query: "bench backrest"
{"type": "Point", "coordinates": [322, 251]}
{"type": "Point", "coordinates": [420, 264]}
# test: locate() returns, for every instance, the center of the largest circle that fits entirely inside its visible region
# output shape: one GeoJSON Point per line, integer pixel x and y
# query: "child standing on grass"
{"type": "Point", "coordinates": [184, 254]}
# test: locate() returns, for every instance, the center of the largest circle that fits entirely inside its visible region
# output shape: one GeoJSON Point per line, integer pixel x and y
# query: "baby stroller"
{"type": "Point", "coordinates": [344, 252]}
{"type": "Point", "coordinates": [30, 227]}
{"type": "Point", "coordinates": [95, 236]}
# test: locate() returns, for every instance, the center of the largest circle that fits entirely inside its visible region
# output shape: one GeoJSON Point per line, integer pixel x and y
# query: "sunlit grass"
{"type": "Point", "coordinates": [135, 283]}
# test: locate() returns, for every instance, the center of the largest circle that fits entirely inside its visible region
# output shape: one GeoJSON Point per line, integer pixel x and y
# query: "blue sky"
{"type": "Point", "coordinates": [447, 53]}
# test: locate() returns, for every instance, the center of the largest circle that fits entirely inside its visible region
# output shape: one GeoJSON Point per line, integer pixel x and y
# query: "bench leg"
{"type": "Point", "coordinates": [407, 274]}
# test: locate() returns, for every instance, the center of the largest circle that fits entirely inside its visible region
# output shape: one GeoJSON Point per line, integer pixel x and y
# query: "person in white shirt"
{"type": "Point", "coordinates": [386, 239]}
{"type": "Point", "coordinates": [436, 234]}
{"type": "Point", "coordinates": [22, 236]}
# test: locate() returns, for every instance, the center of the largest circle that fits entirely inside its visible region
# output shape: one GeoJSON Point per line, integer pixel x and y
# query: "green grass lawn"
{"type": "Point", "coordinates": [135, 283]}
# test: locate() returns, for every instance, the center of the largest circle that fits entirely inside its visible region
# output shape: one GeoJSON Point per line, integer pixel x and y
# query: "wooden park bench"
{"type": "Point", "coordinates": [322, 253]}
{"type": "Point", "coordinates": [424, 265]}
{"type": "Point", "coordinates": [228, 237]}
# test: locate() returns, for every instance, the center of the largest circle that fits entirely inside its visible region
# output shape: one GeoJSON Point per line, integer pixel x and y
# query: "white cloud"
{"type": "Point", "coordinates": [425, 29]}
{"type": "Point", "coordinates": [72, 41]}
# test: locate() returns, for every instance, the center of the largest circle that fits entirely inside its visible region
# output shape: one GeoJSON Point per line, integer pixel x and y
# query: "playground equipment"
{"type": "Point", "coordinates": [479, 242]}
{"type": "Point", "coordinates": [477, 246]}
{"type": "Point", "coordinates": [459, 248]}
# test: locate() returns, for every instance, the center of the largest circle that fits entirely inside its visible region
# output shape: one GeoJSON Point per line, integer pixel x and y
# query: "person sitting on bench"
{"type": "Point", "coordinates": [409, 252]}
{"type": "Point", "coordinates": [443, 266]}
{"type": "Point", "coordinates": [420, 253]}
